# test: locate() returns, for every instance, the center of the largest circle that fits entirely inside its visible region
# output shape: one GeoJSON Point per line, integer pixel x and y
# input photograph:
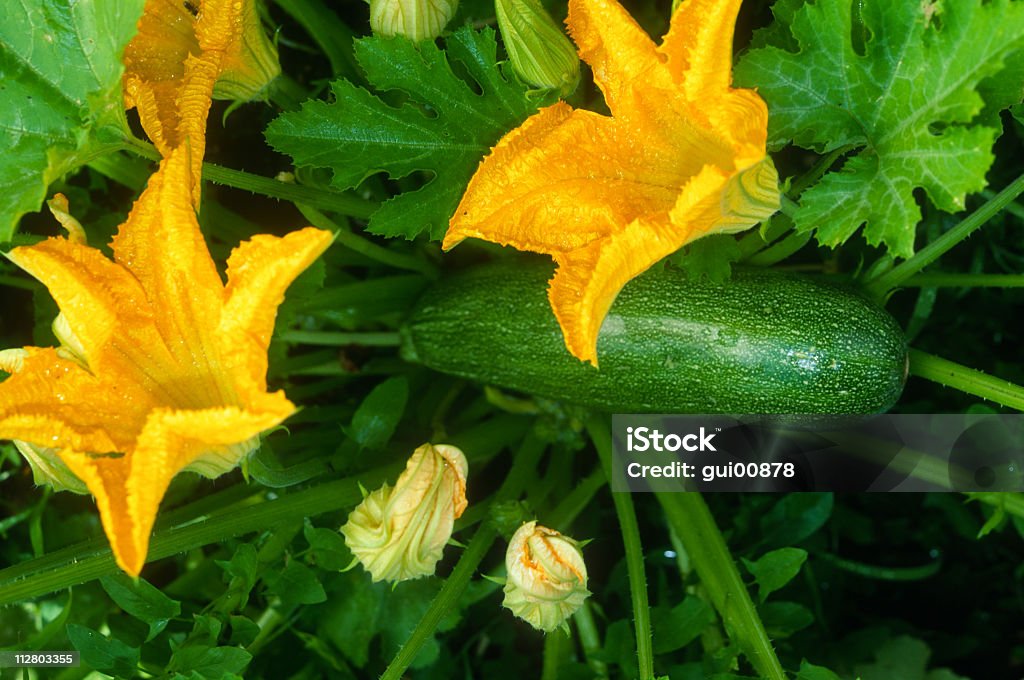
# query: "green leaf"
{"type": "Point", "coordinates": [809, 671]}
{"type": "Point", "coordinates": [681, 625]}
{"type": "Point", "coordinates": [377, 417]}
{"type": "Point", "coordinates": [243, 630]}
{"type": "Point", "coordinates": [240, 571]}
{"type": "Point", "coordinates": [795, 517]}
{"type": "Point", "coordinates": [209, 662]}
{"type": "Point", "coordinates": [445, 127]}
{"type": "Point", "coordinates": [141, 600]}
{"type": "Point", "coordinates": [782, 619]}
{"type": "Point", "coordinates": [360, 611]}
{"type": "Point", "coordinates": [775, 569]}
{"type": "Point", "coordinates": [905, 658]}
{"type": "Point", "coordinates": [103, 654]}
{"type": "Point", "coordinates": [327, 548]}
{"type": "Point", "coordinates": [907, 94]}
{"type": "Point", "coordinates": [60, 93]}
{"type": "Point", "coordinates": [297, 584]}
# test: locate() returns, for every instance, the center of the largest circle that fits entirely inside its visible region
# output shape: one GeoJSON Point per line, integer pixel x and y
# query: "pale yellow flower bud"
{"type": "Point", "coordinates": [251, 63]}
{"type": "Point", "coordinates": [414, 19]}
{"type": "Point", "coordinates": [538, 48]}
{"type": "Point", "coordinates": [547, 579]}
{"type": "Point", "coordinates": [399, 533]}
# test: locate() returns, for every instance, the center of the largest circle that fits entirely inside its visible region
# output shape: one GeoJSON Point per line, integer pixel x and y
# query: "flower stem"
{"type": "Point", "coordinates": [602, 438]}
{"type": "Point", "coordinates": [364, 246]}
{"type": "Point", "coordinates": [951, 280]}
{"type": "Point", "coordinates": [555, 648]}
{"type": "Point", "coordinates": [345, 204]}
{"type": "Point", "coordinates": [78, 564]}
{"type": "Point", "coordinates": [383, 339]}
{"type": "Point", "coordinates": [590, 640]}
{"type": "Point", "coordinates": [969, 380]}
{"type": "Point", "coordinates": [331, 35]}
{"type": "Point", "coordinates": [689, 516]}
{"type": "Point", "coordinates": [880, 286]}
{"type": "Point", "coordinates": [523, 468]}
{"type": "Point", "coordinates": [18, 282]}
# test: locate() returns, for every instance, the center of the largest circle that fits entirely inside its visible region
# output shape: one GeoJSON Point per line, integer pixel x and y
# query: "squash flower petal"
{"type": "Point", "coordinates": [164, 367]}
{"type": "Point", "coordinates": [185, 54]}
{"type": "Point", "coordinates": [547, 577]}
{"type": "Point", "coordinates": [682, 156]}
{"type": "Point", "coordinates": [399, 533]}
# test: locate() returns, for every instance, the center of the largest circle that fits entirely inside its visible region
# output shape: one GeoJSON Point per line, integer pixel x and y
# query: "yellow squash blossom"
{"type": "Point", "coordinates": [162, 367]}
{"type": "Point", "coordinates": [399, 533]}
{"type": "Point", "coordinates": [187, 52]}
{"type": "Point", "coordinates": [547, 577]}
{"type": "Point", "coordinates": [681, 156]}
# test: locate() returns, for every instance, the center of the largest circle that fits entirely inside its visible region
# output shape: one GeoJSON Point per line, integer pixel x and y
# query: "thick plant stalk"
{"type": "Point", "coordinates": [600, 434]}
{"type": "Point", "coordinates": [690, 518]}
{"type": "Point", "coordinates": [969, 380]}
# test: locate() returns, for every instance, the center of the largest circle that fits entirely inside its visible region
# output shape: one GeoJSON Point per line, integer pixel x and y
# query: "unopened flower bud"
{"type": "Point", "coordinates": [251, 63]}
{"type": "Point", "coordinates": [399, 532]}
{"type": "Point", "coordinates": [414, 19]}
{"type": "Point", "coordinates": [547, 579]}
{"type": "Point", "coordinates": [538, 48]}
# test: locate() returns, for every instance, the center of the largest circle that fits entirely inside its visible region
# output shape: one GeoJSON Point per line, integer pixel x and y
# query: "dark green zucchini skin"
{"type": "Point", "coordinates": [764, 342]}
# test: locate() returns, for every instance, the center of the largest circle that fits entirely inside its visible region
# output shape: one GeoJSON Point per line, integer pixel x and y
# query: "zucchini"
{"type": "Point", "coordinates": [764, 342]}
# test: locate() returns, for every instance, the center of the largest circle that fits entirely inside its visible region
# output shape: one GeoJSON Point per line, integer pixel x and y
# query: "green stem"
{"type": "Point", "coordinates": [74, 565]}
{"type": "Point", "coordinates": [1015, 209]}
{"type": "Point", "coordinates": [18, 282]}
{"type": "Point", "coordinates": [341, 339]}
{"type": "Point", "coordinates": [446, 601]}
{"type": "Point", "coordinates": [969, 380]}
{"type": "Point", "coordinates": [892, 279]}
{"type": "Point", "coordinates": [820, 168]}
{"type": "Point", "coordinates": [602, 438]}
{"type": "Point", "coordinates": [689, 516]}
{"type": "Point", "coordinates": [787, 206]}
{"type": "Point", "coordinates": [345, 204]}
{"type": "Point", "coordinates": [364, 246]}
{"type": "Point", "coordinates": [590, 639]}
{"type": "Point", "coordinates": [555, 649]}
{"type": "Point", "coordinates": [332, 36]}
{"type": "Point", "coordinates": [130, 171]}
{"type": "Point", "coordinates": [569, 508]}
{"type": "Point", "coordinates": [942, 279]}
{"type": "Point", "coordinates": [780, 250]}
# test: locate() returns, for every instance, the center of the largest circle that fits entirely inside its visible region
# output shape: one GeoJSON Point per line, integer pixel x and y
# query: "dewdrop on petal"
{"type": "Point", "coordinates": [537, 47]}
{"type": "Point", "coordinates": [398, 533]}
{"type": "Point", "coordinates": [547, 578]}
{"type": "Point", "coordinates": [415, 19]}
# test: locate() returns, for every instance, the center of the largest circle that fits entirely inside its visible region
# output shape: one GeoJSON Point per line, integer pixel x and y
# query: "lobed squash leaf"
{"type": "Point", "coordinates": [445, 126]}
{"type": "Point", "coordinates": [914, 88]}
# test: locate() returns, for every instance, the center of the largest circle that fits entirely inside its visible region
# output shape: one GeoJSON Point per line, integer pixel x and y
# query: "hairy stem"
{"type": "Point", "coordinates": [969, 380]}
{"type": "Point", "coordinates": [602, 438]}
{"type": "Point", "coordinates": [689, 516]}
{"type": "Point", "coordinates": [880, 286]}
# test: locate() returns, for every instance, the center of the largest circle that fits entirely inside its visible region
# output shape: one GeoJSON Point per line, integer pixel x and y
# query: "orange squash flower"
{"type": "Point", "coordinates": [682, 156]}
{"type": "Point", "coordinates": [162, 367]}
{"type": "Point", "coordinates": [184, 54]}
